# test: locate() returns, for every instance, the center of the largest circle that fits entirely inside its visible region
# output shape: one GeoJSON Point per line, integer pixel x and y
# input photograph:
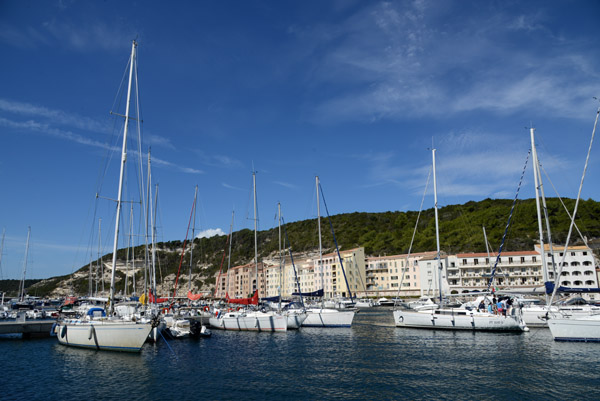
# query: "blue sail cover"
{"type": "Point", "coordinates": [318, 293]}
{"type": "Point", "coordinates": [272, 299]}
{"type": "Point", "coordinates": [550, 288]}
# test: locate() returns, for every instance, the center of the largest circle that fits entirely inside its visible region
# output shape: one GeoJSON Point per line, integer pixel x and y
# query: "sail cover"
{"type": "Point", "coordinates": [193, 297]}
{"type": "Point", "coordinates": [243, 301]}
{"type": "Point", "coordinates": [318, 293]}
{"type": "Point", "coordinates": [550, 289]}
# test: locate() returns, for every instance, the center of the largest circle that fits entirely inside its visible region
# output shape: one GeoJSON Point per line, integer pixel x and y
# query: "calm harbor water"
{"type": "Point", "coordinates": [372, 360]}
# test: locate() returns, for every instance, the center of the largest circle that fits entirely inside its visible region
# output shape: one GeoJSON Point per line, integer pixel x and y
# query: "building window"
{"type": "Point", "coordinates": [464, 261]}
{"type": "Point", "coordinates": [510, 259]}
{"type": "Point", "coordinates": [534, 259]}
{"type": "Point", "coordinates": [475, 261]}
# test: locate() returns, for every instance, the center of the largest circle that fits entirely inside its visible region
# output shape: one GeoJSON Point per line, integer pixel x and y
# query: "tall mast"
{"type": "Point", "coordinates": [111, 300]}
{"type": "Point", "coordinates": [99, 266]}
{"type": "Point", "coordinates": [229, 256]}
{"type": "Point", "coordinates": [280, 254]}
{"type": "Point", "coordinates": [255, 233]}
{"type": "Point", "coordinates": [22, 289]}
{"type": "Point", "coordinates": [193, 237]}
{"type": "Point", "coordinates": [537, 183]}
{"type": "Point", "coordinates": [129, 249]}
{"type": "Point", "coordinates": [437, 228]}
{"type": "Point", "coordinates": [2, 250]}
{"type": "Point", "coordinates": [322, 272]}
{"type": "Point", "coordinates": [545, 210]}
{"type": "Point", "coordinates": [147, 232]}
{"type": "Point", "coordinates": [153, 282]}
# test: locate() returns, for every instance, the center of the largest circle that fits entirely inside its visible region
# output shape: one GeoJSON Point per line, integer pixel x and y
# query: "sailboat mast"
{"type": "Point", "coordinates": [22, 289]}
{"type": "Point", "coordinates": [120, 193]}
{"type": "Point", "coordinates": [537, 205]}
{"type": "Point", "coordinates": [229, 256]}
{"type": "Point", "coordinates": [280, 254]}
{"type": "Point", "coordinates": [153, 283]}
{"type": "Point", "coordinates": [1, 251]}
{"type": "Point", "coordinates": [437, 228]}
{"type": "Point", "coordinates": [255, 233]}
{"type": "Point", "coordinates": [193, 237]}
{"type": "Point", "coordinates": [149, 200]}
{"type": "Point", "coordinates": [99, 266]}
{"type": "Point", "coordinates": [320, 244]}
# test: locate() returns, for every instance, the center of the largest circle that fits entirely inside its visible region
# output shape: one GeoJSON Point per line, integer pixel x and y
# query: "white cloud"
{"type": "Point", "coordinates": [403, 60]}
{"type": "Point", "coordinates": [55, 116]}
{"type": "Point", "coordinates": [211, 232]}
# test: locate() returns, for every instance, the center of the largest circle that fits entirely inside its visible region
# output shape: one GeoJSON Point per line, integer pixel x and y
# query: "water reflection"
{"type": "Point", "coordinates": [371, 360]}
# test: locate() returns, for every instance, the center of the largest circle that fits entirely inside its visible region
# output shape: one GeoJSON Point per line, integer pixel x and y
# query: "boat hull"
{"type": "Point", "coordinates": [328, 318]}
{"type": "Point", "coordinates": [585, 329]}
{"type": "Point", "coordinates": [457, 320]}
{"type": "Point", "coordinates": [295, 320]}
{"type": "Point", "coordinates": [256, 321]}
{"type": "Point", "coordinates": [103, 335]}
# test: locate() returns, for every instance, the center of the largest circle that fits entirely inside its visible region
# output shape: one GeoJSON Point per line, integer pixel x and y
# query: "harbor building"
{"type": "Point", "coordinates": [416, 275]}
{"type": "Point", "coordinates": [387, 274]}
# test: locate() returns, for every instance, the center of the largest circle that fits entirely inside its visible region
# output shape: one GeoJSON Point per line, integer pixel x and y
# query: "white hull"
{"type": "Point", "coordinates": [295, 320]}
{"type": "Point", "coordinates": [116, 335]}
{"type": "Point", "coordinates": [535, 315]}
{"type": "Point", "coordinates": [457, 319]}
{"type": "Point", "coordinates": [328, 318]}
{"type": "Point", "coordinates": [585, 329]}
{"type": "Point", "coordinates": [253, 321]}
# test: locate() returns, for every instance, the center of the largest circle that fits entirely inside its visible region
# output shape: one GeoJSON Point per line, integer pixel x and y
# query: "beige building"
{"type": "Point", "coordinates": [386, 274]}
{"type": "Point", "coordinates": [240, 281]}
{"type": "Point", "coordinates": [417, 275]}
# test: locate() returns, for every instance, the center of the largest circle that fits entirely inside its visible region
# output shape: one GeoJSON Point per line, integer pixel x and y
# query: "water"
{"type": "Point", "coordinates": [370, 361]}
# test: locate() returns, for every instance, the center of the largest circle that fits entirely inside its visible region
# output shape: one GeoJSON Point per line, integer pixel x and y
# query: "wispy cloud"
{"type": "Point", "coordinates": [46, 129]}
{"type": "Point", "coordinates": [55, 116]}
{"type": "Point", "coordinates": [83, 36]}
{"type": "Point", "coordinates": [286, 185]}
{"type": "Point", "coordinates": [402, 60]}
{"type": "Point", "coordinates": [224, 184]}
{"type": "Point", "coordinates": [216, 160]}
{"type": "Point", "coordinates": [80, 35]}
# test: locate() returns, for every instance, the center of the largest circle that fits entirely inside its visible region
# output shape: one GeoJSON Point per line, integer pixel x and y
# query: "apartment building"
{"type": "Point", "coordinates": [409, 276]}
{"type": "Point", "coordinates": [388, 274]}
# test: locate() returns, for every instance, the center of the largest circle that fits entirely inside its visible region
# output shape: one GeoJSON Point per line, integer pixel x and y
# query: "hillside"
{"type": "Point", "coordinates": [380, 233]}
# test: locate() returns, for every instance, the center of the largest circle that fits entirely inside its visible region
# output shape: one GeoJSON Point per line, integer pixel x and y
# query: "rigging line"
{"type": "Point", "coordinates": [583, 238]}
{"type": "Point", "coordinates": [406, 266]}
{"type": "Point", "coordinates": [337, 248]}
{"type": "Point", "coordinates": [183, 250]}
{"type": "Point", "coordinates": [587, 159]}
{"type": "Point", "coordinates": [223, 260]}
{"type": "Point", "coordinates": [292, 261]}
{"type": "Point", "coordinates": [508, 223]}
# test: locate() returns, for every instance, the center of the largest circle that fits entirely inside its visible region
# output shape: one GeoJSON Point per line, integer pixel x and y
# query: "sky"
{"type": "Point", "coordinates": [355, 92]}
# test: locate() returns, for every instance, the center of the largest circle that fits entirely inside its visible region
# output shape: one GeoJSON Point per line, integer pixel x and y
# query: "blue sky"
{"type": "Point", "coordinates": [353, 91]}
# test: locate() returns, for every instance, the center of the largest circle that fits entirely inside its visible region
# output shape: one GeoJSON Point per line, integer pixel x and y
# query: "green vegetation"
{"type": "Point", "coordinates": [380, 234]}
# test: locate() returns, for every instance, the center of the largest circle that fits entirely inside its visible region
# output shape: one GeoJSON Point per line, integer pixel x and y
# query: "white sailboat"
{"type": "Point", "coordinates": [250, 320]}
{"type": "Point", "coordinates": [95, 330]}
{"type": "Point", "coordinates": [574, 328]}
{"type": "Point", "coordinates": [462, 318]}
{"type": "Point", "coordinates": [320, 316]}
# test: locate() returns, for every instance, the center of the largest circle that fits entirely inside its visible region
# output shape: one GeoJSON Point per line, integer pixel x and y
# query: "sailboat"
{"type": "Point", "coordinates": [461, 318]}
{"type": "Point", "coordinates": [319, 316]}
{"type": "Point", "coordinates": [245, 319]}
{"type": "Point", "coordinates": [572, 328]}
{"type": "Point", "coordinates": [96, 330]}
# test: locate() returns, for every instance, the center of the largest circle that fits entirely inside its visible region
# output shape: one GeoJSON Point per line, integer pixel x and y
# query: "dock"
{"type": "Point", "coordinates": [26, 327]}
